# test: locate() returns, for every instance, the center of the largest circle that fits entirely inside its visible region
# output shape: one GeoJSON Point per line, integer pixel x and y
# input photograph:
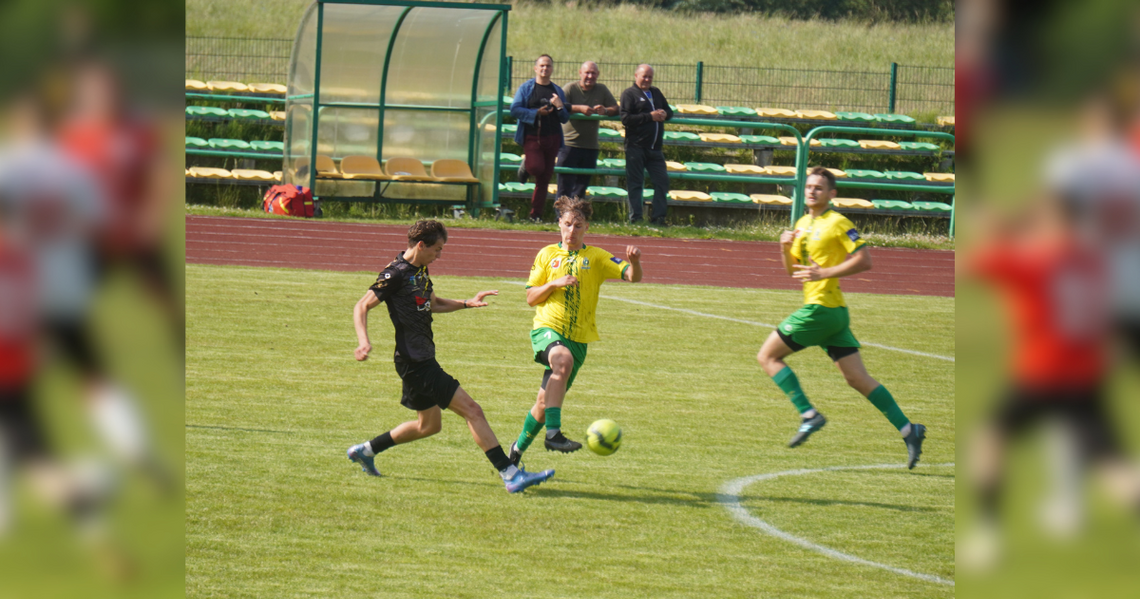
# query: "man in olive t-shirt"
{"type": "Point", "coordinates": [580, 150]}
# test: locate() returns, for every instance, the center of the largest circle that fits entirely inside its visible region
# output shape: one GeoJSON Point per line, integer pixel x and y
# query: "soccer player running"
{"type": "Point", "coordinates": [563, 287]}
{"type": "Point", "coordinates": [824, 247]}
{"type": "Point", "coordinates": [407, 289]}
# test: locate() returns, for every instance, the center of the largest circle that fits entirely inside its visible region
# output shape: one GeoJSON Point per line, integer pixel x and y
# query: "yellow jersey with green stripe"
{"type": "Point", "coordinates": [826, 240]}
{"type": "Point", "coordinates": [570, 310]}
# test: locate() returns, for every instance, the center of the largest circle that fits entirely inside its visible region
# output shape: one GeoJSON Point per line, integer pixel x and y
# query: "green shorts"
{"type": "Point", "coordinates": [826, 327]}
{"type": "Point", "coordinates": [541, 341]}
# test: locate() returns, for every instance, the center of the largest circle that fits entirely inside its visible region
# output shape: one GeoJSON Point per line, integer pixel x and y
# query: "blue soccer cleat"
{"type": "Point", "coordinates": [367, 462]}
{"type": "Point", "coordinates": [807, 427]}
{"type": "Point", "coordinates": [523, 479]}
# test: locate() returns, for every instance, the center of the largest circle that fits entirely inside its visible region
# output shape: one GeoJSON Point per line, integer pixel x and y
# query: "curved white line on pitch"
{"type": "Point", "coordinates": [729, 496]}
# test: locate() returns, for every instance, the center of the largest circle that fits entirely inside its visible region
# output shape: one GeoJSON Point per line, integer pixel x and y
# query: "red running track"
{"type": "Point", "coordinates": [496, 253]}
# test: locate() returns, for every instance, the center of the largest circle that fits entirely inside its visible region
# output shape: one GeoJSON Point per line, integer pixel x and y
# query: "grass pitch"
{"type": "Point", "coordinates": [274, 397]}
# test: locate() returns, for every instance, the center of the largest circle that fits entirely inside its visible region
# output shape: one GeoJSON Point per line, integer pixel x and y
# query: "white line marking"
{"type": "Point", "coordinates": [729, 496]}
{"type": "Point", "coordinates": [759, 324]}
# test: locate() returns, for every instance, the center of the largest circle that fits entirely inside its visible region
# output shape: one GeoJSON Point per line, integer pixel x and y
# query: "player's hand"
{"type": "Point", "coordinates": [633, 254]}
{"type": "Point", "coordinates": [362, 351]}
{"type": "Point", "coordinates": [812, 272]}
{"type": "Point", "coordinates": [555, 101]}
{"type": "Point", "coordinates": [787, 237]}
{"type": "Point", "coordinates": [566, 281]}
{"type": "Point", "coordinates": [478, 301]}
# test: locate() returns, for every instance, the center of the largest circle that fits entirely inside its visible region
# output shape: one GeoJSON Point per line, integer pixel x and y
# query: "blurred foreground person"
{"type": "Point", "coordinates": [1055, 286]}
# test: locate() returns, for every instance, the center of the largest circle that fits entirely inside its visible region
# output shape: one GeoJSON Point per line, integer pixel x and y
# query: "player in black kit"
{"type": "Point", "coordinates": [407, 289]}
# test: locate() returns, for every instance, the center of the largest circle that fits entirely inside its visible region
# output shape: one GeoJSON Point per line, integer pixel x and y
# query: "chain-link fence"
{"type": "Point", "coordinates": [916, 89]}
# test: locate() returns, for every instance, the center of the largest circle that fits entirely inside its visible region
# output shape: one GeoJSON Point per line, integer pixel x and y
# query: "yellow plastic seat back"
{"type": "Point", "coordinates": [406, 169]}
{"type": "Point", "coordinates": [362, 167]}
{"type": "Point", "coordinates": [448, 169]}
{"type": "Point", "coordinates": [772, 200]}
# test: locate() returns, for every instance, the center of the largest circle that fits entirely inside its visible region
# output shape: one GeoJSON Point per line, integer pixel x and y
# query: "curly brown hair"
{"type": "Point", "coordinates": [566, 204]}
{"type": "Point", "coordinates": [427, 231]}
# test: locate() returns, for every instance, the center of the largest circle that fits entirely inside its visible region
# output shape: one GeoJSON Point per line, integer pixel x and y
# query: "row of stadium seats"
{"type": "Point", "coordinates": [202, 172]}
{"type": "Point", "coordinates": [751, 169]}
{"type": "Point", "coordinates": [194, 85]}
{"type": "Point", "coordinates": [617, 193]}
{"type": "Point", "coordinates": [234, 113]}
{"type": "Point", "coordinates": [368, 168]}
{"type": "Point", "coordinates": [221, 143]}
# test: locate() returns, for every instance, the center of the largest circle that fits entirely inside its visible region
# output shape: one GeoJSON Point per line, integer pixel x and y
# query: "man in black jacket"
{"type": "Point", "coordinates": [644, 111]}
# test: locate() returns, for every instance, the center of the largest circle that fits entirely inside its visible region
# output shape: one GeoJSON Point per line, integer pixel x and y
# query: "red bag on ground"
{"type": "Point", "coordinates": [290, 200]}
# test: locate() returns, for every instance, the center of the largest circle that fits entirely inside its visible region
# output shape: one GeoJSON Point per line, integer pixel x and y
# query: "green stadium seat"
{"type": "Point", "coordinates": [904, 176]}
{"type": "Point", "coordinates": [508, 158]}
{"type": "Point", "coordinates": [931, 206]}
{"type": "Point", "coordinates": [609, 193]}
{"type": "Point", "coordinates": [838, 143]}
{"type": "Point", "coordinates": [721, 196]}
{"type": "Point", "coordinates": [861, 117]}
{"type": "Point", "coordinates": [681, 136]}
{"type": "Point", "coordinates": [704, 167]}
{"type": "Point", "coordinates": [646, 193]}
{"type": "Point", "coordinates": [206, 111]}
{"type": "Point", "coordinates": [760, 139]}
{"type": "Point", "coordinates": [608, 134]}
{"type": "Point", "coordinates": [901, 119]}
{"type": "Point", "coordinates": [248, 113]}
{"type": "Point", "coordinates": [508, 100]}
{"type": "Point", "coordinates": [892, 205]}
{"type": "Point", "coordinates": [855, 173]}
{"type": "Point", "coordinates": [735, 111]}
{"type": "Point", "coordinates": [196, 142]}
{"type": "Point", "coordinates": [510, 129]}
{"type": "Point", "coordinates": [918, 145]}
{"type": "Point", "coordinates": [267, 145]}
{"type": "Point", "coordinates": [220, 143]}
{"type": "Point", "coordinates": [518, 187]}
{"type": "Point", "coordinates": [611, 162]}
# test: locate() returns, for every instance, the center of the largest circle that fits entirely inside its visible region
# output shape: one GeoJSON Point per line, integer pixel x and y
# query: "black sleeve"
{"type": "Point", "coordinates": [387, 283]}
{"type": "Point", "coordinates": [628, 101]}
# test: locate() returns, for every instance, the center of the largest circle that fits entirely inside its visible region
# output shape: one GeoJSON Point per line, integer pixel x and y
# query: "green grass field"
{"type": "Point", "coordinates": [273, 398]}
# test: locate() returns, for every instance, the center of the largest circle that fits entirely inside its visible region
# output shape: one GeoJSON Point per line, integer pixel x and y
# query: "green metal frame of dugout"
{"type": "Point", "coordinates": [392, 78]}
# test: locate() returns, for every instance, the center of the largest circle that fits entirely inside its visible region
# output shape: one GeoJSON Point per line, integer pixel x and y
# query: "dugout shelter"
{"type": "Point", "coordinates": [378, 89]}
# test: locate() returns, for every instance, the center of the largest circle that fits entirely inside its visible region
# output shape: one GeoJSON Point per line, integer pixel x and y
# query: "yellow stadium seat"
{"type": "Point", "coordinates": [227, 86]}
{"type": "Point", "coordinates": [939, 177]}
{"type": "Point", "coordinates": [675, 166]}
{"type": "Point", "coordinates": [268, 88]}
{"type": "Point", "coordinates": [696, 109]}
{"type": "Point", "coordinates": [851, 203]}
{"type": "Point", "coordinates": [196, 86]}
{"type": "Point", "coordinates": [784, 171]}
{"type": "Point", "coordinates": [816, 115]}
{"type": "Point", "coordinates": [745, 169]}
{"type": "Point", "coordinates": [720, 137]}
{"type": "Point", "coordinates": [690, 196]}
{"type": "Point", "coordinates": [552, 188]}
{"type": "Point", "coordinates": [773, 200]}
{"type": "Point", "coordinates": [277, 175]}
{"type": "Point", "coordinates": [946, 121]}
{"type": "Point", "coordinates": [453, 170]}
{"type": "Point", "coordinates": [277, 115]}
{"type": "Point", "coordinates": [838, 173]}
{"type": "Point", "coordinates": [362, 167]}
{"type": "Point", "coordinates": [252, 175]}
{"type": "Point", "coordinates": [203, 172]}
{"type": "Point", "coordinates": [325, 165]}
{"type": "Point", "coordinates": [406, 169]}
{"type": "Point", "coordinates": [791, 141]}
{"type": "Point", "coordinates": [878, 144]}
{"type": "Point", "coordinates": [782, 113]}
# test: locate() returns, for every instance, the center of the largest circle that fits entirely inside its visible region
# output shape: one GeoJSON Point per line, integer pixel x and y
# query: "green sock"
{"type": "Point", "coordinates": [787, 382]}
{"type": "Point", "coordinates": [882, 399]}
{"type": "Point", "coordinates": [553, 418]}
{"type": "Point", "coordinates": [529, 431]}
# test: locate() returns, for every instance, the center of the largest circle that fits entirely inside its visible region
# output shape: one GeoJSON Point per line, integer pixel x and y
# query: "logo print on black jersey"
{"type": "Point", "coordinates": [423, 303]}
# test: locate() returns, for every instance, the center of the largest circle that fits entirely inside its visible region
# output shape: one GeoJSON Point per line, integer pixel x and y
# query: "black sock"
{"type": "Point", "coordinates": [498, 458]}
{"type": "Point", "coordinates": [990, 499]}
{"type": "Point", "coordinates": [382, 442]}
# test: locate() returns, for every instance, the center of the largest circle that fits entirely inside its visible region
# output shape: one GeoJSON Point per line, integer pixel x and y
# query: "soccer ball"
{"type": "Point", "coordinates": [603, 437]}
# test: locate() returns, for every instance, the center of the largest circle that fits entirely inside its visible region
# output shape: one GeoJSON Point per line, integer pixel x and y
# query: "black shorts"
{"type": "Point", "coordinates": [20, 428]}
{"type": "Point", "coordinates": [1083, 410]}
{"type": "Point", "coordinates": [426, 385]}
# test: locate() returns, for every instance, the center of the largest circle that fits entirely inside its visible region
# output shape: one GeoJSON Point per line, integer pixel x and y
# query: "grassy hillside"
{"type": "Point", "coordinates": [628, 33]}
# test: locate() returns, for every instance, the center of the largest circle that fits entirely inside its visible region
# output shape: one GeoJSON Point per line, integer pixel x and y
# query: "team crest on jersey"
{"type": "Point", "coordinates": [853, 234]}
{"type": "Point", "coordinates": [585, 264]}
{"type": "Point", "coordinates": [422, 304]}
{"type": "Point", "coordinates": [555, 263]}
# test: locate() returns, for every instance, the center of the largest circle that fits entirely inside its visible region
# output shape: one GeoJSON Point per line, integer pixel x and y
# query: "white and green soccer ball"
{"type": "Point", "coordinates": [603, 437]}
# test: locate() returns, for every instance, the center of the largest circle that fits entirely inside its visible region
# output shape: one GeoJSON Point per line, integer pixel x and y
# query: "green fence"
{"type": "Point", "coordinates": [896, 88]}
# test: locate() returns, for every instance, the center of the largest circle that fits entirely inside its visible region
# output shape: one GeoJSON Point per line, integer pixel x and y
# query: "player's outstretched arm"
{"type": "Point", "coordinates": [857, 262]}
{"type": "Point", "coordinates": [786, 239]}
{"type": "Point", "coordinates": [633, 256]}
{"type": "Point", "coordinates": [537, 295]}
{"type": "Point", "coordinates": [360, 321]}
{"type": "Point", "coordinates": [441, 305]}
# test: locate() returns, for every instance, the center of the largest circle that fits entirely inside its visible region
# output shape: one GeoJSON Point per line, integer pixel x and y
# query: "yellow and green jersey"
{"type": "Point", "coordinates": [570, 310]}
{"type": "Point", "coordinates": [826, 240]}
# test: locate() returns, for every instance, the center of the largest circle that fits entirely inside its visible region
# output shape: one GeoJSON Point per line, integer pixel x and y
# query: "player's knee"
{"type": "Point", "coordinates": [475, 413]}
{"type": "Point", "coordinates": [562, 364]}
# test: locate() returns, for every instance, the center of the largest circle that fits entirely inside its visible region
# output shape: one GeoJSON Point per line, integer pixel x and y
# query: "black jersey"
{"type": "Point", "coordinates": [406, 289]}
